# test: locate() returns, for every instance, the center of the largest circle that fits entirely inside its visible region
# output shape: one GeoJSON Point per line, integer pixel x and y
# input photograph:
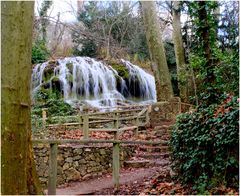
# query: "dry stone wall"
{"type": "Point", "coordinates": [164, 111]}
{"type": "Point", "coordinates": [78, 162]}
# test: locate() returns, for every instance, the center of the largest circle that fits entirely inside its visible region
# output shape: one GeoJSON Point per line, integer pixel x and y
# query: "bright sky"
{"type": "Point", "coordinates": [67, 9]}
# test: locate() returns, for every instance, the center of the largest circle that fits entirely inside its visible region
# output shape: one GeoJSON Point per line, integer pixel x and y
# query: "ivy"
{"type": "Point", "coordinates": [205, 146]}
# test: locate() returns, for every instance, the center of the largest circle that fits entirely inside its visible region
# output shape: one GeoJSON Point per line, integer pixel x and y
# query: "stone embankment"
{"type": "Point", "coordinates": [78, 162]}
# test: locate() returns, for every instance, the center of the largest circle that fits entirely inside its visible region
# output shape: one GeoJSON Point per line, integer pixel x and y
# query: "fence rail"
{"type": "Point", "coordinates": [138, 117]}
{"type": "Point", "coordinates": [52, 177]}
{"type": "Point", "coordinates": [82, 121]}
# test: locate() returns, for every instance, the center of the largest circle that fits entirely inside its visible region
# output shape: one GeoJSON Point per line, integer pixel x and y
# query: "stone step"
{"type": "Point", "coordinates": [161, 148]}
{"type": "Point", "coordinates": [160, 163]}
{"type": "Point", "coordinates": [164, 137]}
{"type": "Point", "coordinates": [142, 131]}
{"type": "Point", "coordinates": [146, 163]}
{"type": "Point", "coordinates": [161, 132]}
{"type": "Point", "coordinates": [156, 138]}
{"type": "Point", "coordinates": [155, 155]}
{"type": "Point", "coordinates": [162, 127]}
{"type": "Point", "coordinates": [136, 163]}
{"type": "Point", "coordinates": [163, 122]}
{"type": "Point", "coordinates": [151, 137]}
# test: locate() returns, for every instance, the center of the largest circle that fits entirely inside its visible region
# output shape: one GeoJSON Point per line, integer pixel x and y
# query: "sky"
{"type": "Point", "coordinates": [67, 8]}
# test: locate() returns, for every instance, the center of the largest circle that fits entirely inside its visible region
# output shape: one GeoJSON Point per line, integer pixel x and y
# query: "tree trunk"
{"type": "Point", "coordinates": [204, 31]}
{"type": "Point", "coordinates": [185, 83]}
{"type": "Point", "coordinates": [156, 50]}
{"type": "Point", "coordinates": [18, 172]}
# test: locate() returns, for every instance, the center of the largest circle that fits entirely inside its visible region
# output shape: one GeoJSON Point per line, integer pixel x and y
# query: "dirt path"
{"type": "Point", "coordinates": [132, 180]}
{"type": "Point", "coordinates": [97, 184]}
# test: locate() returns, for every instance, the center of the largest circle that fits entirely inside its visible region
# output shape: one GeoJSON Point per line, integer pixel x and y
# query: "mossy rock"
{"type": "Point", "coordinates": [56, 84]}
{"type": "Point", "coordinates": [122, 70]}
{"type": "Point", "coordinates": [70, 78]}
{"type": "Point", "coordinates": [49, 70]}
{"type": "Point", "coordinates": [70, 67]}
{"type": "Point", "coordinates": [53, 63]}
{"type": "Point", "coordinates": [55, 79]}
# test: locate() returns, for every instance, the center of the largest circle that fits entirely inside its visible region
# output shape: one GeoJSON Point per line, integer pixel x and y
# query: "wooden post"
{"type": "Point", "coordinates": [85, 126]}
{"type": "Point", "coordinates": [44, 117]}
{"type": "Point", "coordinates": [116, 164]}
{"type": "Point", "coordinates": [179, 107]}
{"type": "Point", "coordinates": [147, 114]}
{"type": "Point", "coordinates": [81, 122]}
{"type": "Point", "coordinates": [52, 178]}
{"type": "Point", "coordinates": [116, 124]}
{"type": "Point", "coordinates": [137, 124]}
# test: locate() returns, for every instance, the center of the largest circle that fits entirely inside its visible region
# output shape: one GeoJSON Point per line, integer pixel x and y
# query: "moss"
{"type": "Point", "coordinates": [70, 67]}
{"type": "Point", "coordinates": [122, 70]}
{"type": "Point", "coordinates": [48, 73]}
{"type": "Point", "coordinates": [70, 78]}
{"type": "Point", "coordinates": [55, 79]}
{"type": "Point", "coordinates": [53, 63]}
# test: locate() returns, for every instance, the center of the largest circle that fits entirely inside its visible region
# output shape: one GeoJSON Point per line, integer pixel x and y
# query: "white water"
{"type": "Point", "coordinates": [93, 82]}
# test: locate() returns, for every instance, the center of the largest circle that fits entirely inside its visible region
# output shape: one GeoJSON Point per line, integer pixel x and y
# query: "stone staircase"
{"type": "Point", "coordinates": [152, 155]}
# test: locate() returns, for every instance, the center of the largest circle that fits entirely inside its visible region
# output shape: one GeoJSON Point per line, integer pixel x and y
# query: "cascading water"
{"type": "Point", "coordinates": [84, 80]}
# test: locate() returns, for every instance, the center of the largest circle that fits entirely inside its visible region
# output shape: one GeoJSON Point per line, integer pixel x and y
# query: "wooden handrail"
{"type": "Point", "coordinates": [84, 141]}
{"type": "Point", "coordinates": [52, 179]}
{"type": "Point", "coordinates": [82, 121]}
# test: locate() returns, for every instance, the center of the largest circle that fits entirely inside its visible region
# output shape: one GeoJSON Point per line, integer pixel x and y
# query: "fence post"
{"type": "Point", "coordinates": [116, 164]}
{"type": "Point", "coordinates": [116, 124]}
{"type": "Point", "coordinates": [147, 114]}
{"type": "Point", "coordinates": [85, 126]}
{"type": "Point", "coordinates": [52, 178]}
{"type": "Point", "coordinates": [80, 122]}
{"type": "Point", "coordinates": [137, 124]}
{"type": "Point", "coordinates": [44, 117]}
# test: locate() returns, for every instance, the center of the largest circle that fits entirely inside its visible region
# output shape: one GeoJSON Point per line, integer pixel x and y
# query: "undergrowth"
{"type": "Point", "coordinates": [205, 147]}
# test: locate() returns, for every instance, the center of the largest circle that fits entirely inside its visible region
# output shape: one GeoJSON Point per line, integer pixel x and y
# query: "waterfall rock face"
{"type": "Point", "coordinates": [83, 80]}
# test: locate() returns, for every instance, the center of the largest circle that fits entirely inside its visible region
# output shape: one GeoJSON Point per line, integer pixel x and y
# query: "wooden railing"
{"type": "Point", "coordinates": [139, 117]}
{"type": "Point", "coordinates": [52, 177]}
{"type": "Point", "coordinates": [82, 121]}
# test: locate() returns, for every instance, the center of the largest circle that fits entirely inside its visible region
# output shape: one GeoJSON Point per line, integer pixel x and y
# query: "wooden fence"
{"type": "Point", "coordinates": [139, 117]}
{"type": "Point", "coordinates": [83, 121]}
{"type": "Point", "coordinates": [52, 176]}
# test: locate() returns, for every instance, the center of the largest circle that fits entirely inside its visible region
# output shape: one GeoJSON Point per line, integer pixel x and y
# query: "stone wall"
{"type": "Point", "coordinates": [164, 111]}
{"type": "Point", "coordinates": [78, 162]}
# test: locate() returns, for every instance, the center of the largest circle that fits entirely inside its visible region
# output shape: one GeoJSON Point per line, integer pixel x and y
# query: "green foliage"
{"type": "Point", "coordinates": [45, 98]}
{"type": "Point", "coordinates": [205, 146]}
{"type": "Point", "coordinates": [44, 8]}
{"type": "Point", "coordinates": [226, 72]}
{"type": "Point", "coordinates": [40, 52]}
{"type": "Point", "coordinates": [122, 70]}
{"type": "Point", "coordinates": [170, 54]}
{"type": "Point", "coordinates": [89, 48]}
{"type": "Point", "coordinates": [209, 24]}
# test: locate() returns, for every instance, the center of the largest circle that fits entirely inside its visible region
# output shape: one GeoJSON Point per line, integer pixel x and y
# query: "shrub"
{"type": "Point", "coordinates": [45, 98]}
{"type": "Point", "coordinates": [40, 52]}
{"type": "Point", "coordinates": [205, 146]}
{"type": "Point", "coordinates": [89, 48]}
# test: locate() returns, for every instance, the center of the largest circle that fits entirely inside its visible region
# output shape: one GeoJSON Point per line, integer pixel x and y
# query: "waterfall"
{"type": "Point", "coordinates": [87, 81]}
